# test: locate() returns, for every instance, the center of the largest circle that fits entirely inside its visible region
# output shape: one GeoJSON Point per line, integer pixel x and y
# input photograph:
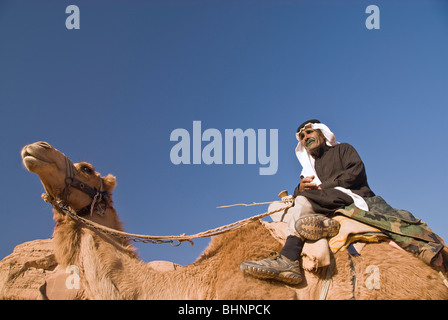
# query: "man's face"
{"type": "Point", "coordinates": [311, 139]}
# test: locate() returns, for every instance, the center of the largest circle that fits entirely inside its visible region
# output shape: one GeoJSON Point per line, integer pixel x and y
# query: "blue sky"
{"type": "Point", "coordinates": [112, 92]}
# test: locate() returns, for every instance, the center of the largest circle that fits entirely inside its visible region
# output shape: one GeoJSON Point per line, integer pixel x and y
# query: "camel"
{"type": "Point", "coordinates": [110, 269]}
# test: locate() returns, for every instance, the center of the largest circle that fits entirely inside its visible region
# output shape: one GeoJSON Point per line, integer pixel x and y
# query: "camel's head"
{"type": "Point", "coordinates": [77, 184]}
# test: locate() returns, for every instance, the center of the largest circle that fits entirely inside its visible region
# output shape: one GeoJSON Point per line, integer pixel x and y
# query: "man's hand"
{"type": "Point", "coordinates": [307, 184]}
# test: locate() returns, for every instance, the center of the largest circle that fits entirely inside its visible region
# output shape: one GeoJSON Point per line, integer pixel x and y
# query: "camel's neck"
{"type": "Point", "coordinates": [68, 234]}
{"type": "Point", "coordinates": [110, 270]}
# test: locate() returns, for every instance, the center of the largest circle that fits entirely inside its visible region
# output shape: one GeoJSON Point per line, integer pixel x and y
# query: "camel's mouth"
{"type": "Point", "coordinates": [27, 156]}
{"type": "Point", "coordinates": [36, 156]}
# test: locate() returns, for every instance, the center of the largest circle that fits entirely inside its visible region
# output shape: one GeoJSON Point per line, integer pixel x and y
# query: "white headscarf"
{"type": "Point", "coordinates": [305, 159]}
{"type": "Point", "coordinates": [307, 162]}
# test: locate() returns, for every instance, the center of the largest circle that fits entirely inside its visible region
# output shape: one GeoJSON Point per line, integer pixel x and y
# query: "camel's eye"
{"type": "Point", "coordinates": [86, 169]}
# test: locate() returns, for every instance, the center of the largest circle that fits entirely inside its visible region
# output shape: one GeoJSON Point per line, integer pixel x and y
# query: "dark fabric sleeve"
{"type": "Point", "coordinates": [353, 172]}
{"type": "Point", "coordinates": [296, 191]}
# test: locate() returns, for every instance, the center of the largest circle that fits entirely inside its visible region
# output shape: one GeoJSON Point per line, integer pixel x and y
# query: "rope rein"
{"type": "Point", "coordinates": [66, 209]}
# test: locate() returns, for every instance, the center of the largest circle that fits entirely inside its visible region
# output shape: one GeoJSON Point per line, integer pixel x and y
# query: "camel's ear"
{"type": "Point", "coordinates": [109, 182]}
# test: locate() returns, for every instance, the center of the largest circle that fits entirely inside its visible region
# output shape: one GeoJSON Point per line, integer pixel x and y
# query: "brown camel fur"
{"type": "Point", "coordinates": [109, 268]}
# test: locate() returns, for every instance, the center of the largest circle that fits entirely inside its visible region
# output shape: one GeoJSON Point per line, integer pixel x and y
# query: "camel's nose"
{"type": "Point", "coordinates": [43, 144]}
{"type": "Point", "coordinates": [39, 144]}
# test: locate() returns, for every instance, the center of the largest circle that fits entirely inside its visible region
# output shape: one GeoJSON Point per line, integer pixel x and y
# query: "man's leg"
{"type": "Point", "coordinates": [302, 223]}
{"type": "Point", "coordinates": [294, 242]}
{"type": "Point", "coordinates": [284, 267]}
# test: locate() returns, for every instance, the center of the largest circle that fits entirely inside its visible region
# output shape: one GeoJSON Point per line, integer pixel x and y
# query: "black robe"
{"type": "Point", "coordinates": [338, 166]}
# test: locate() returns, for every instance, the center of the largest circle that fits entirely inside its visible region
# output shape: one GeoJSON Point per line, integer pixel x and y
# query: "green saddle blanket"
{"type": "Point", "coordinates": [401, 226]}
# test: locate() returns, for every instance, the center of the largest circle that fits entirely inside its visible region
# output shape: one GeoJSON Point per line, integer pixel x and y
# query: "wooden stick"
{"type": "Point", "coordinates": [246, 205]}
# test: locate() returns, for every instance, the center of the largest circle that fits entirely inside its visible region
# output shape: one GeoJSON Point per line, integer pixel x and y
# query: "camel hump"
{"type": "Point", "coordinates": [161, 265]}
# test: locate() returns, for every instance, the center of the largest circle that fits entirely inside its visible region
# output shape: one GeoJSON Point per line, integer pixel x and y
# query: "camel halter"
{"type": "Point", "coordinates": [99, 199]}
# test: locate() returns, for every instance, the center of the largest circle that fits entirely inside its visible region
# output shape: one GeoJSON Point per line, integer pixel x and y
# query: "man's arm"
{"type": "Point", "coordinates": [353, 173]}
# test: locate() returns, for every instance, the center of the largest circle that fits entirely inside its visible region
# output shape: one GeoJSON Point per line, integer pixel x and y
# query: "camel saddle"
{"type": "Point", "coordinates": [316, 254]}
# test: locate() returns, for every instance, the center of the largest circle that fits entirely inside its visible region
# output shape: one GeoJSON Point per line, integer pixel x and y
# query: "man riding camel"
{"type": "Point", "coordinates": [333, 177]}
